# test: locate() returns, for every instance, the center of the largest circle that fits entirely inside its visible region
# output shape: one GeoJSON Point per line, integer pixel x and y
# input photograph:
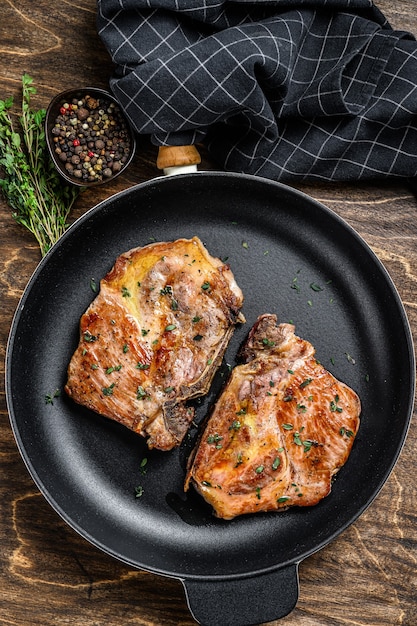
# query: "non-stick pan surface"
{"type": "Point", "coordinates": [291, 256]}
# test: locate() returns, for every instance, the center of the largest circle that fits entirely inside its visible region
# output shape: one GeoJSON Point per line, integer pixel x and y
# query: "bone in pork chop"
{"type": "Point", "coordinates": [153, 338]}
{"type": "Point", "coordinates": [281, 429]}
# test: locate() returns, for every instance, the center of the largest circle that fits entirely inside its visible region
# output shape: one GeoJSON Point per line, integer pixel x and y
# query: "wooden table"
{"type": "Point", "coordinates": [49, 575]}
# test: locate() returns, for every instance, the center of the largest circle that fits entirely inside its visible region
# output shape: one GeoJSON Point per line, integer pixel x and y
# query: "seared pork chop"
{"type": "Point", "coordinates": [281, 429]}
{"type": "Point", "coordinates": [153, 338]}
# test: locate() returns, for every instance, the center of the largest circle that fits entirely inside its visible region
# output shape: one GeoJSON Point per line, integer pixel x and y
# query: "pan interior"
{"type": "Point", "coordinates": [291, 256]}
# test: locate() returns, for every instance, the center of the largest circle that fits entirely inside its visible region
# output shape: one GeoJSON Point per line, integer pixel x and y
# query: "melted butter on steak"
{"type": "Point", "coordinates": [153, 338]}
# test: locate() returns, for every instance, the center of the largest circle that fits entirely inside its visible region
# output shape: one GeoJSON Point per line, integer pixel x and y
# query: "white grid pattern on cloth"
{"type": "Point", "coordinates": [305, 90]}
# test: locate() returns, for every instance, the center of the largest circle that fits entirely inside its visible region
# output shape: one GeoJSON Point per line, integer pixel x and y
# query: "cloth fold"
{"type": "Point", "coordinates": [303, 90]}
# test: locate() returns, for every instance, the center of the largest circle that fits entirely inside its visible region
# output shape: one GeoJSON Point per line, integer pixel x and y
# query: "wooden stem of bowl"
{"type": "Point", "coordinates": [176, 156]}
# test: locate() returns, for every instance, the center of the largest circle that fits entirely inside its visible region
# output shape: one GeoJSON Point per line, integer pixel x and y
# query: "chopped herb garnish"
{"type": "Point", "coordinates": [168, 389]}
{"type": "Point", "coordinates": [216, 438]}
{"type": "Point", "coordinates": [206, 483]}
{"type": "Point", "coordinates": [115, 368]}
{"type": "Point", "coordinates": [290, 371]}
{"type": "Point", "coordinates": [108, 391]}
{"type": "Point", "coordinates": [350, 358]}
{"type": "Point", "coordinates": [198, 338]}
{"type": "Point", "coordinates": [334, 405]}
{"type": "Point", "coordinates": [288, 398]}
{"type": "Point", "coordinates": [139, 491]}
{"type": "Point", "coordinates": [125, 348]}
{"type": "Point", "coordinates": [308, 444]}
{"type": "Point", "coordinates": [144, 332]}
{"type": "Point", "coordinates": [142, 366]}
{"type": "Point", "coordinates": [140, 393]}
{"type": "Point", "coordinates": [235, 425]}
{"type": "Point", "coordinates": [245, 245]}
{"type": "Point", "coordinates": [276, 463]}
{"type": "Point", "coordinates": [283, 499]}
{"type": "Point", "coordinates": [259, 469]}
{"type": "Point", "coordinates": [241, 412]}
{"type": "Point", "coordinates": [93, 285]}
{"type": "Point", "coordinates": [343, 431]}
{"type": "Point", "coordinates": [268, 342]}
{"type": "Point", "coordinates": [305, 382]}
{"type": "Point", "coordinates": [88, 337]}
{"type": "Point", "coordinates": [125, 292]}
{"type": "Point", "coordinates": [295, 284]}
{"type": "Point", "coordinates": [239, 459]}
{"type": "Point", "coordinates": [297, 439]}
{"type": "Point", "coordinates": [170, 327]}
{"type": "Point", "coordinates": [258, 492]}
{"type": "Point", "coordinates": [205, 286]}
{"type": "Point", "coordinates": [196, 319]}
{"type": "Point", "coordinates": [166, 291]}
{"type": "Point", "coordinates": [316, 287]}
{"type": "Point", "coordinates": [142, 466]}
{"type": "Point", "coordinates": [287, 426]}
{"type": "Point", "coordinates": [50, 397]}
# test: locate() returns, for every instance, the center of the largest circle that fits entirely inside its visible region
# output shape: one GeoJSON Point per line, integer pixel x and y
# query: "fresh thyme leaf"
{"type": "Point", "coordinates": [39, 199]}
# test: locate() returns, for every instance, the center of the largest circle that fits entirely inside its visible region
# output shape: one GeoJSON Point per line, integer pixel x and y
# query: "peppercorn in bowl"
{"type": "Point", "coordinates": [88, 136]}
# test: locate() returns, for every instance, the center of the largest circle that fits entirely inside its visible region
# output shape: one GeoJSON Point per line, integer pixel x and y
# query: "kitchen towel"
{"type": "Point", "coordinates": [302, 90]}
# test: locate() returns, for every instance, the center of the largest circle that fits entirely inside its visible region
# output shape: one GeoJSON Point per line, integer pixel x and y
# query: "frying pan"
{"type": "Point", "coordinates": [291, 256]}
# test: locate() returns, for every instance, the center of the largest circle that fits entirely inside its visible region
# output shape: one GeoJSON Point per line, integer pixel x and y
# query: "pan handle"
{"type": "Point", "coordinates": [178, 159]}
{"type": "Point", "coordinates": [243, 601]}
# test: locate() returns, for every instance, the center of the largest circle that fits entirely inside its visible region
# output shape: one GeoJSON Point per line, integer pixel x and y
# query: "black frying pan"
{"type": "Point", "coordinates": [291, 256]}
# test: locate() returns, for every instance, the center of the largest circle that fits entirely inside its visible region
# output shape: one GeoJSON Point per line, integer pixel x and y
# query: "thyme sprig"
{"type": "Point", "coordinates": [39, 199]}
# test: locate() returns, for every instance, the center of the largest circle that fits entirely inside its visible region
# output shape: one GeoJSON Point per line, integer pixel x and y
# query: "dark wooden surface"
{"type": "Point", "coordinates": [49, 575]}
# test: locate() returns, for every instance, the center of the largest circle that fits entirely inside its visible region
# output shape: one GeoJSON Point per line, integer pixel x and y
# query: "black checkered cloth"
{"type": "Point", "coordinates": [301, 90]}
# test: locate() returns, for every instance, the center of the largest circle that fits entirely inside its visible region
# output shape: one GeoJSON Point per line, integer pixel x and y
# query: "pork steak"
{"type": "Point", "coordinates": [153, 338]}
{"type": "Point", "coordinates": [280, 430]}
